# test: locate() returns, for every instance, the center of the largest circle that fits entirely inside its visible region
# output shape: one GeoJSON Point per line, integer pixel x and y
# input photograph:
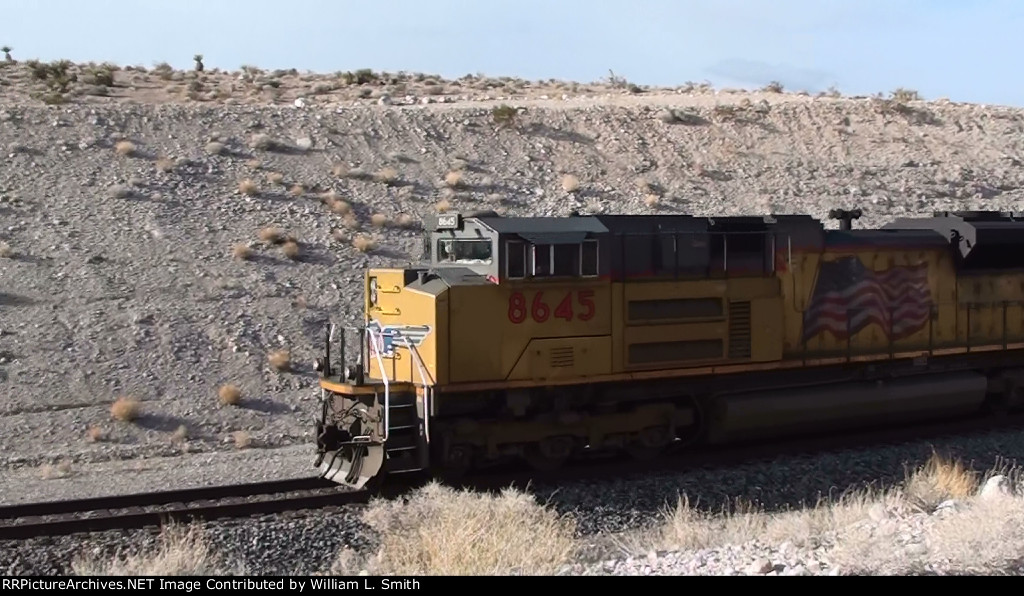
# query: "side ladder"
{"type": "Point", "coordinates": [407, 420]}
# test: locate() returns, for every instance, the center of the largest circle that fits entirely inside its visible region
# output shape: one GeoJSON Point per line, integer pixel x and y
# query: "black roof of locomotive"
{"type": "Point", "coordinates": [973, 233]}
{"type": "Point", "coordinates": [626, 224]}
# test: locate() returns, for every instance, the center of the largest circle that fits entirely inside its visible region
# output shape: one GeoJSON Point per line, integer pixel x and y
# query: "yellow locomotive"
{"type": "Point", "coordinates": [545, 338]}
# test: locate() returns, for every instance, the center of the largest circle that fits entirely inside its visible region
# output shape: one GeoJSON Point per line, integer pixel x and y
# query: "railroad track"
{"type": "Point", "coordinates": [141, 510]}
{"type": "Point", "coordinates": [234, 501]}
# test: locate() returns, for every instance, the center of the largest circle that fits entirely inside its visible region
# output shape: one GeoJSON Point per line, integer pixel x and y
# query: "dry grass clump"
{"type": "Point", "coordinates": [165, 164]}
{"type": "Point", "coordinates": [297, 190]}
{"type": "Point", "coordinates": [652, 200]}
{"type": "Point", "coordinates": [272, 235]}
{"type": "Point", "coordinates": [939, 480]}
{"type": "Point", "coordinates": [125, 148]}
{"type": "Point", "coordinates": [242, 252]}
{"type": "Point", "coordinates": [248, 188]}
{"type": "Point", "coordinates": [95, 434]}
{"type": "Point", "coordinates": [405, 221]}
{"type": "Point", "coordinates": [339, 206]}
{"type": "Point", "coordinates": [125, 409]}
{"type": "Point", "coordinates": [379, 220]}
{"type": "Point", "coordinates": [280, 360]}
{"type": "Point", "coordinates": [685, 527]}
{"type": "Point", "coordinates": [292, 250]}
{"type": "Point", "coordinates": [443, 206]}
{"type": "Point", "coordinates": [454, 179]}
{"type": "Point", "coordinates": [441, 531]}
{"type": "Point", "coordinates": [386, 176]}
{"type": "Point", "coordinates": [363, 243]}
{"type": "Point", "coordinates": [570, 183]}
{"type": "Point", "coordinates": [6, 251]}
{"type": "Point", "coordinates": [229, 395]}
{"type": "Point", "coordinates": [275, 178]}
{"type": "Point", "coordinates": [182, 550]}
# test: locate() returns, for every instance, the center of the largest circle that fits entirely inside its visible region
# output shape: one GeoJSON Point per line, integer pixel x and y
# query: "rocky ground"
{"type": "Point", "coordinates": [136, 260]}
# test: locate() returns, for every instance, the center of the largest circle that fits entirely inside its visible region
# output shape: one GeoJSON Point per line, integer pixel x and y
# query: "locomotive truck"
{"type": "Point", "coordinates": [543, 339]}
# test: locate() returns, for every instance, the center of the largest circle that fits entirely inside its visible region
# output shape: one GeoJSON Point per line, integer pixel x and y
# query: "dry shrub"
{"type": "Point", "coordinates": [939, 480]}
{"type": "Point", "coordinates": [230, 395]}
{"type": "Point", "coordinates": [241, 252]}
{"type": "Point", "coordinates": [652, 200]}
{"type": "Point", "coordinates": [386, 175]}
{"type": "Point", "coordinates": [180, 551]}
{"type": "Point", "coordinates": [454, 179]}
{"type": "Point", "coordinates": [379, 220]}
{"type": "Point", "coordinates": [248, 188]}
{"type": "Point", "coordinates": [441, 531]}
{"type": "Point", "coordinates": [165, 164]}
{"type": "Point", "coordinates": [126, 148]}
{"type": "Point", "coordinates": [297, 190]}
{"type": "Point", "coordinates": [570, 183]}
{"type": "Point", "coordinates": [363, 243]}
{"type": "Point", "coordinates": [339, 170]}
{"type": "Point", "coordinates": [6, 251]}
{"type": "Point", "coordinates": [272, 235]}
{"type": "Point", "coordinates": [242, 439]}
{"type": "Point", "coordinates": [443, 205]}
{"type": "Point", "coordinates": [280, 360]}
{"type": "Point", "coordinates": [275, 178]}
{"type": "Point", "coordinates": [125, 409]}
{"type": "Point", "coordinates": [292, 250]}
{"type": "Point", "coordinates": [340, 207]}
{"type": "Point", "coordinates": [405, 221]}
{"type": "Point", "coordinates": [254, 164]}
{"type": "Point", "coordinates": [95, 434]}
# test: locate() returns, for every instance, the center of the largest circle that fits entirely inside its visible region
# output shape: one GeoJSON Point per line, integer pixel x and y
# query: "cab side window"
{"type": "Point", "coordinates": [515, 259]}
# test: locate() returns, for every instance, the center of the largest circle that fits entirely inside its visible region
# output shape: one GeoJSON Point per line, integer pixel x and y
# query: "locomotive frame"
{"type": "Point", "coordinates": [548, 338]}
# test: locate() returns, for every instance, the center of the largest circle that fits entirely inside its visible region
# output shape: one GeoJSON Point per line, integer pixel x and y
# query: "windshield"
{"type": "Point", "coordinates": [464, 251]}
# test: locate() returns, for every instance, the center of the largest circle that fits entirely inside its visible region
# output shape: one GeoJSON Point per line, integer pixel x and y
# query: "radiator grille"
{"type": "Point", "coordinates": [739, 330]}
{"type": "Point", "coordinates": [562, 357]}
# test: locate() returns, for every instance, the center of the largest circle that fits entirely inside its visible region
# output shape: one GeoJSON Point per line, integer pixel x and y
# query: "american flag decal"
{"type": "Point", "coordinates": [899, 300]}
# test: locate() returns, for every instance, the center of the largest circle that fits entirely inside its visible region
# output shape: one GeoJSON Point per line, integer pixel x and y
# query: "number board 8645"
{"type": "Point", "coordinates": [541, 306]}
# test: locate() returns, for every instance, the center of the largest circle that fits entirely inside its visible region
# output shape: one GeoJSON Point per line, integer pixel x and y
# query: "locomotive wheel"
{"type": "Point", "coordinates": [649, 443]}
{"type": "Point", "coordinates": [550, 454]}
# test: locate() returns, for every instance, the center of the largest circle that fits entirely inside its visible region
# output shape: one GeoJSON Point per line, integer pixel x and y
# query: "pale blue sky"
{"type": "Point", "coordinates": [962, 49]}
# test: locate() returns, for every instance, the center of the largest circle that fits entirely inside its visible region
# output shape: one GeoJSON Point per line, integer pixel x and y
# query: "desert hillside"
{"type": "Point", "coordinates": [168, 234]}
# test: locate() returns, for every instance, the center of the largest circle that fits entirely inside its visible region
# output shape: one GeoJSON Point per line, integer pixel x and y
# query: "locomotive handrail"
{"type": "Point", "coordinates": [384, 379]}
{"type": "Point", "coordinates": [427, 388]}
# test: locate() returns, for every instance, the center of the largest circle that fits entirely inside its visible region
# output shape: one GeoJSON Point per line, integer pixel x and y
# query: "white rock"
{"type": "Point", "coordinates": [760, 567]}
{"type": "Point", "coordinates": [300, 102]}
{"type": "Point", "coordinates": [997, 487]}
{"type": "Point", "coordinates": [305, 143]}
